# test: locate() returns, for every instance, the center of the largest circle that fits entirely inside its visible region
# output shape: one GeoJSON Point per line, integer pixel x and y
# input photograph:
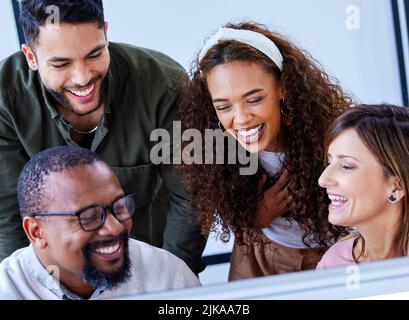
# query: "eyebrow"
{"type": "Point", "coordinates": [99, 205]}
{"type": "Point", "coordinates": [342, 156]}
{"type": "Point", "coordinates": [244, 95]}
{"type": "Point", "coordinates": [62, 59]}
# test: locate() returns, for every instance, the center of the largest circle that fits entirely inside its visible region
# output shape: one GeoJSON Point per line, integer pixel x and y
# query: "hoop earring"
{"type": "Point", "coordinates": [392, 199]}
{"type": "Point", "coordinates": [286, 112]}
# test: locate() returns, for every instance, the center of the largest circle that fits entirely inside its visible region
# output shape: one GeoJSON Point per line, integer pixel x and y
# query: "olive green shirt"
{"type": "Point", "coordinates": [142, 94]}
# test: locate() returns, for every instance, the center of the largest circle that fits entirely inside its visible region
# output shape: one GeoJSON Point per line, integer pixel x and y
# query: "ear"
{"type": "Point", "coordinates": [34, 230]}
{"type": "Point", "coordinates": [106, 30]}
{"type": "Point", "coordinates": [30, 57]}
{"type": "Point", "coordinates": [396, 188]}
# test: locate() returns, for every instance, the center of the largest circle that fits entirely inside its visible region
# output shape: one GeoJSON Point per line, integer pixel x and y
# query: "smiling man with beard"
{"type": "Point", "coordinates": [78, 218]}
{"type": "Point", "coordinates": [70, 86]}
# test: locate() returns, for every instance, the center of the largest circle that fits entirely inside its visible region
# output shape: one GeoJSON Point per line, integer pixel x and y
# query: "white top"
{"type": "Point", "coordinates": [285, 232]}
{"type": "Point", "coordinates": [23, 277]}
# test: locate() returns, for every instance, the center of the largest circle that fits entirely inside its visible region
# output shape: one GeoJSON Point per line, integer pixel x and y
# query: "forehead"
{"type": "Point", "coordinates": [68, 39]}
{"type": "Point", "coordinates": [238, 76]}
{"type": "Point", "coordinates": [349, 143]}
{"type": "Point", "coordinates": [80, 186]}
{"type": "Point", "coordinates": [347, 139]}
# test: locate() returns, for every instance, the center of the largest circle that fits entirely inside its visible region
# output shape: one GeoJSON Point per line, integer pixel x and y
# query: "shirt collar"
{"type": "Point", "coordinates": [47, 278]}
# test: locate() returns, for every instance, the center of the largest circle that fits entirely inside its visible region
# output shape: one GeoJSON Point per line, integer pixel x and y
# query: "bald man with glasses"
{"type": "Point", "coordinates": [78, 219]}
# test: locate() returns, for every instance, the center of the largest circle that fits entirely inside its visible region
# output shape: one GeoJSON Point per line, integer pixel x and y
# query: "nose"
{"type": "Point", "coordinates": [112, 225]}
{"type": "Point", "coordinates": [242, 115]}
{"type": "Point", "coordinates": [81, 75]}
{"type": "Point", "coordinates": [326, 179]}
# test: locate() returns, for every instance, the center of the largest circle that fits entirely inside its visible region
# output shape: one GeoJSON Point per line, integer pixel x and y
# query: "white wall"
{"type": "Point", "coordinates": [8, 32]}
{"type": "Point", "coordinates": [363, 60]}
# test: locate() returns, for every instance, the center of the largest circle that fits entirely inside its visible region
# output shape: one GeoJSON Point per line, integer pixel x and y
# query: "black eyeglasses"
{"type": "Point", "coordinates": [93, 217]}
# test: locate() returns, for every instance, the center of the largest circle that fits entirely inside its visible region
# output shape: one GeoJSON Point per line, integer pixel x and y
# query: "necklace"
{"type": "Point", "coordinates": [82, 132]}
{"type": "Point", "coordinates": [73, 128]}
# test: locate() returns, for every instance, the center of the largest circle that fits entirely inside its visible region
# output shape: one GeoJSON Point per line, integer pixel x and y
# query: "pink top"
{"type": "Point", "coordinates": [338, 255]}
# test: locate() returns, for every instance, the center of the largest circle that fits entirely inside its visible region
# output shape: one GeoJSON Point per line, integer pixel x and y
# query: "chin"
{"type": "Point", "coordinates": [83, 110]}
{"type": "Point", "coordinates": [250, 148]}
{"type": "Point", "coordinates": [337, 222]}
{"type": "Point", "coordinates": [111, 266]}
{"type": "Point", "coordinates": [114, 268]}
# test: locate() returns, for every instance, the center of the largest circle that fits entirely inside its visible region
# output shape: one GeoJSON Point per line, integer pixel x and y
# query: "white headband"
{"type": "Point", "coordinates": [254, 39]}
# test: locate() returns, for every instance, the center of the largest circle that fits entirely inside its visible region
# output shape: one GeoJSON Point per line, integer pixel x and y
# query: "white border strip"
{"type": "Point", "coordinates": [405, 42]}
{"type": "Point", "coordinates": [365, 281]}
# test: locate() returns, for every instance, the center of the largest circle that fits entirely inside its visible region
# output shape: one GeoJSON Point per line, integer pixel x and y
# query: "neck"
{"type": "Point", "coordinates": [82, 123]}
{"type": "Point", "coordinates": [380, 237]}
{"type": "Point", "coordinates": [279, 145]}
{"type": "Point", "coordinates": [79, 288]}
{"type": "Point", "coordinates": [69, 279]}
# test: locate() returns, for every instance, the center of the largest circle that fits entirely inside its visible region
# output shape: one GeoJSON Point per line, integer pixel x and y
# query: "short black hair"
{"type": "Point", "coordinates": [30, 186]}
{"type": "Point", "coordinates": [33, 14]}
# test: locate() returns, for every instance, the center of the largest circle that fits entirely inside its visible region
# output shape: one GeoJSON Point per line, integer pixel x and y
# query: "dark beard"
{"type": "Point", "coordinates": [61, 100]}
{"type": "Point", "coordinates": [109, 280]}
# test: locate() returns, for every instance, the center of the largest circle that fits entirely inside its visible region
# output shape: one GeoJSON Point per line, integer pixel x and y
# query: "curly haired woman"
{"type": "Point", "coordinates": [275, 101]}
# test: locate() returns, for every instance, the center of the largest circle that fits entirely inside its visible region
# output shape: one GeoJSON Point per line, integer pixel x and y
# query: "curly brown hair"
{"type": "Point", "coordinates": [219, 192]}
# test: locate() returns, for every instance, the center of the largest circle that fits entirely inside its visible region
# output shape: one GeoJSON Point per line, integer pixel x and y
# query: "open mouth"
{"type": "Point", "coordinates": [110, 252]}
{"type": "Point", "coordinates": [251, 135]}
{"type": "Point", "coordinates": [337, 201]}
{"type": "Point", "coordinates": [84, 95]}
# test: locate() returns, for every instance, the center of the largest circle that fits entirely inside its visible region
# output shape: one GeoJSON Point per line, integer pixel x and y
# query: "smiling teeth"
{"type": "Point", "coordinates": [337, 199]}
{"type": "Point", "coordinates": [108, 250]}
{"type": "Point", "coordinates": [248, 134]}
{"type": "Point", "coordinates": [85, 92]}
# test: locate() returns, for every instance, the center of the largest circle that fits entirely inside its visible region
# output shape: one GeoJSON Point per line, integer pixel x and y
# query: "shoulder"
{"type": "Point", "coordinates": [154, 269]}
{"type": "Point", "coordinates": [146, 64]}
{"type": "Point", "coordinates": [14, 71]}
{"type": "Point", "coordinates": [18, 86]}
{"type": "Point", "coordinates": [147, 253]}
{"type": "Point", "coordinates": [12, 275]}
{"type": "Point", "coordinates": [338, 255]}
{"type": "Point", "coordinates": [13, 263]}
